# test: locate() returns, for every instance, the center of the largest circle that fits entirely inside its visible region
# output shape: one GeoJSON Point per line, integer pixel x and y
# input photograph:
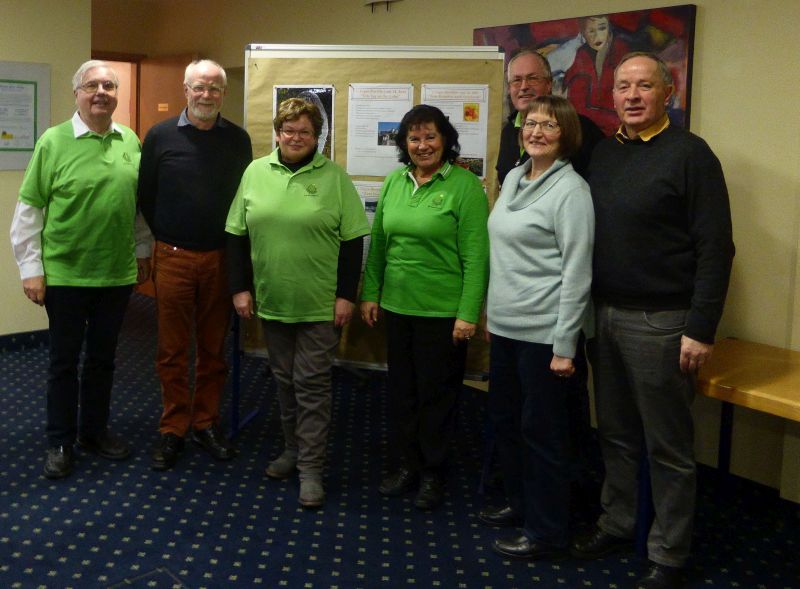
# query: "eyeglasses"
{"type": "Point", "coordinates": [304, 134]}
{"type": "Point", "coordinates": [547, 127]}
{"type": "Point", "coordinates": [92, 87]}
{"type": "Point", "coordinates": [532, 79]}
{"type": "Point", "coordinates": [202, 89]}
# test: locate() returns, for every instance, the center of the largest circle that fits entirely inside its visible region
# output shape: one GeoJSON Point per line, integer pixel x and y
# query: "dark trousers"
{"type": "Point", "coordinates": [77, 314]}
{"type": "Point", "coordinates": [529, 408]}
{"type": "Point", "coordinates": [426, 371]}
{"type": "Point", "coordinates": [582, 440]}
{"type": "Point", "coordinates": [644, 407]}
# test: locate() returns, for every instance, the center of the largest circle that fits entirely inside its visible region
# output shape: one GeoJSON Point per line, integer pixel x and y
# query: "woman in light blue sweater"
{"type": "Point", "coordinates": [541, 234]}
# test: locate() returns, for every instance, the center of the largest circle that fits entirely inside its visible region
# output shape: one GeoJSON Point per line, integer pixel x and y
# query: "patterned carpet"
{"type": "Point", "coordinates": [207, 524]}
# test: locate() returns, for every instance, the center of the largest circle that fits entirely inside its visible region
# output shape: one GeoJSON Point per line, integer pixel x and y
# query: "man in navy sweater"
{"type": "Point", "coordinates": [662, 261]}
{"type": "Point", "coordinates": [190, 170]}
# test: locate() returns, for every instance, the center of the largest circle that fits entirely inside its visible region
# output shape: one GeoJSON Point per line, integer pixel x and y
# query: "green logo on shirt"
{"type": "Point", "coordinates": [437, 201]}
{"type": "Point", "coordinates": [127, 157]}
{"type": "Point", "coordinates": [311, 189]}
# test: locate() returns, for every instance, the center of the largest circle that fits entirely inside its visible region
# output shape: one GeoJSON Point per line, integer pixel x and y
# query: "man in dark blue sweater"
{"type": "Point", "coordinates": [190, 170]}
{"type": "Point", "coordinates": [662, 261]}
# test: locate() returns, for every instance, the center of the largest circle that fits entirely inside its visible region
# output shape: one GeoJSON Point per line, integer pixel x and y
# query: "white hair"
{"type": "Point", "coordinates": [77, 79]}
{"type": "Point", "coordinates": [203, 62]}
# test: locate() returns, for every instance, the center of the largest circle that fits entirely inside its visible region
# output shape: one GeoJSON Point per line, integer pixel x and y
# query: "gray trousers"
{"type": "Point", "coordinates": [644, 405]}
{"type": "Point", "coordinates": [301, 356]}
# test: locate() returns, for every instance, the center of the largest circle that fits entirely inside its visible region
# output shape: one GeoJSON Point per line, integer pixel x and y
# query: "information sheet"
{"type": "Point", "coordinates": [374, 115]}
{"type": "Point", "coordinates": [467, 107]}
{"type": "Point", "coordinates": [369, 193]}
{"type": "Point", "coordinates": [17, 115]}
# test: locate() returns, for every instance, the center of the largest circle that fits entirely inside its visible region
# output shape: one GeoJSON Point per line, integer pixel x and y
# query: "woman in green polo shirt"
{"type": "Point", "coordinates": [427, 269]}
{"type": "Point", "coordinates": [305, 224]}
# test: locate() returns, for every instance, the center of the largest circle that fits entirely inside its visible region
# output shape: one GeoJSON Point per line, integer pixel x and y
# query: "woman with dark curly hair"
{"type": "Point", "coordinates": [427, 269]}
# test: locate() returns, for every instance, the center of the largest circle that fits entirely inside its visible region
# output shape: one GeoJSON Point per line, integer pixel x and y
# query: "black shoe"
{"type": "Point", "coordinates": [58, 462]}
{"type": "Point", "coordinates": [398, 483]}
{"type": "Point", "coordinates": [661, 576]}
{"type": "Point", "coordinates": [165, 454]}
{"type": "Point", "coordinates": [214, 443]}
{"type": "Point", "coordinates": [522, 548]}
{"type": "Point", "coordinates": [106, 445]}
{"type": "Point", "coordinates": [500, 517]}
{"type": "Point", "coordinates": [431, 492]}
{"type": "Point", "coordinates": [599, 544]}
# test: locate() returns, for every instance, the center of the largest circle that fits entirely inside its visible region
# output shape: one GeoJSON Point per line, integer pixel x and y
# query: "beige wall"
{"type": "Point", "coordinates": [40, 31]}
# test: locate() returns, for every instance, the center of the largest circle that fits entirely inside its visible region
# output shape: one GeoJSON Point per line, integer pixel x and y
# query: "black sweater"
{"type": "Point", "coordinates": [663, 236]}
{"type": "Point", "coordinates": [187, 180]}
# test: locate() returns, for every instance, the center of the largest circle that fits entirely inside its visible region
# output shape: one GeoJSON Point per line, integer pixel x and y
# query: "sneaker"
{"type": "Point", "coordinates": [312, 494]}
{"type": "Point", "coordinates": [283, 466]}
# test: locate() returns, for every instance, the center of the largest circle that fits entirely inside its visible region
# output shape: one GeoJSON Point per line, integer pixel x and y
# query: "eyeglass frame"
{"type": "Point", "coordinates": [530, 78]}
{"type": "Point", "coordinates": [303, 134]}
{"type": "Point", "coordinates": [547, 127]}
{"type": "Point", "coordinates": [108, 86]}
{"type": "Point", "coordinates": [200, 89]}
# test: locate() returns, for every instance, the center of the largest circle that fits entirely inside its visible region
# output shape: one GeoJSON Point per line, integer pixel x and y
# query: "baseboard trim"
{"type": "Point", "coordinates": [26, 340]}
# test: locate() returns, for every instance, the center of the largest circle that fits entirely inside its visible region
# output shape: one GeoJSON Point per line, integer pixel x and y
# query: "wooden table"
{"type": "Point", "coordinates": [759, 377]}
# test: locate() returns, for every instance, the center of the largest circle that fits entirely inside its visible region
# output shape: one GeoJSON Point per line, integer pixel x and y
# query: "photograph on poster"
{"type": "Point", "coordinates": [584, 51]}
{"type": "Point", "coordinates": [387, 132]}
{"type": "Point", "coordinates": [322, 97]}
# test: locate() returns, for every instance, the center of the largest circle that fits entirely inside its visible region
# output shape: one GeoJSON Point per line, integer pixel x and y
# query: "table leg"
{"type": "Point", "coordinates": [725, 435]}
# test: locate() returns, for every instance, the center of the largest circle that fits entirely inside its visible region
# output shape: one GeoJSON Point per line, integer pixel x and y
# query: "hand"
{"type": "Point", "coordinates": [34, 289]}
{"type": "Point", "coordinates": [369, 313]}
{"type": "Point", "coordinates": [342, 312]}
{"type": "Point", "coordinates": [694, 354]}
{"type": "Point", "coordinates": [243, 304]}
{"type": "Point", "coordinates": [142, 269]}
{"type": "Point", "coordinates": [463, 331]}
{"type": "Point", "coordinates": [561, 366]}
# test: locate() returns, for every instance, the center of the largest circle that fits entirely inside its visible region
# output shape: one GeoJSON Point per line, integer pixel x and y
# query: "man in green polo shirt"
{"type": "Point", "coordinates": [80, 248]}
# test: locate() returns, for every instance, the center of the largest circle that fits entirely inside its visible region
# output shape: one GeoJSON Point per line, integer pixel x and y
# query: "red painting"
{"type": "Point", "coordinates": [584, 51]}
